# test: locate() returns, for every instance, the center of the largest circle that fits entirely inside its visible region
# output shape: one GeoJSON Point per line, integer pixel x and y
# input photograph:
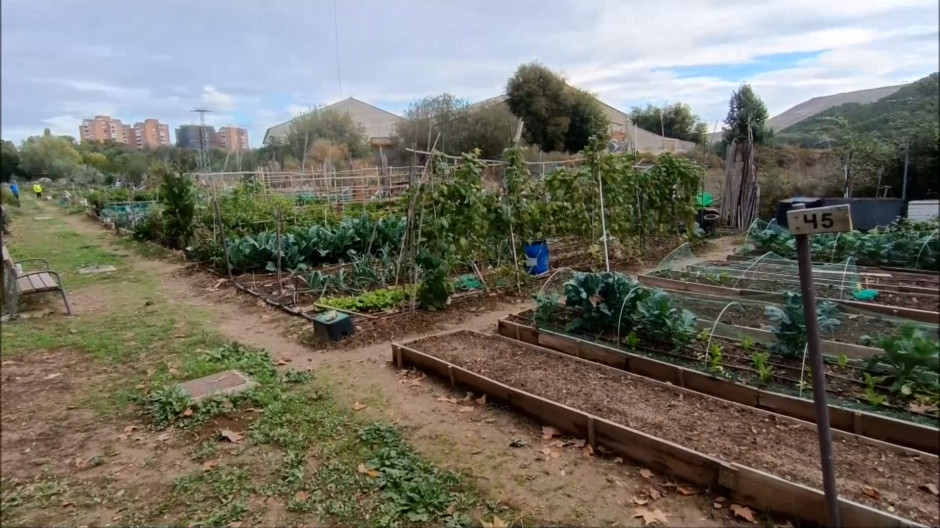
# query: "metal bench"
{"type": "Point", "coordinates": [17, 283]}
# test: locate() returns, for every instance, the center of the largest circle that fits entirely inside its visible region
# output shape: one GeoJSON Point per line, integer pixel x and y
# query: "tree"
{"type": "Point", "coordinates": [457, 126]}
{"type": "Point", "coordinates": [435, 117]}
{"type": "Point", "coordinates": [9, 161]}
{"type": "Point", "coordinates": [50, 156]}
{"type": "Point", "coordinates": [747, 110]}
{"type": "Point", "coordinates": [586, 119]}
{"type": "Point", "coordinates": [675, 121]}
{"type": "Point", "coordinates": [549, 107]}
{"type": "Point", "coordinates": [321, 124]}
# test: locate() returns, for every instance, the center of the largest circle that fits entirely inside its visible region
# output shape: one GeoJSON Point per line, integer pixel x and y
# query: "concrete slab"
{"type": "Point", "coordinates": [219, 384]}
{"type": "Point", "coordinates": [96, 269]}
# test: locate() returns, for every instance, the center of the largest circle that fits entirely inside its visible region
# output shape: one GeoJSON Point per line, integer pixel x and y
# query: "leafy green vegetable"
{"type": "Point", "coordinates": [790, 323]}
{"type": "Point", "coordinates": [911, 360]}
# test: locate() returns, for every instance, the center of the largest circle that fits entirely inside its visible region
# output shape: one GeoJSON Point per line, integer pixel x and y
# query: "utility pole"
{"type": "Point", "coordinates": [204, 160]}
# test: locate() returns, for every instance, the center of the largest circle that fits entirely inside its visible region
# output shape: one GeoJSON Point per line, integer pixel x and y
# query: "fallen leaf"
{"type": "Point", "coordinates": [130, 428]}
{"type": "Point", "coordinates": [140, 387]}
{"type": "Point", "coordinates": [743, 512]}
{"type": "Point", "coordinates": [922, 408]}
{"type": "Point", "coordinates": [280, 363]}
{"type": "Point", "coordinates": [53, 376]}
{"type": "Point", "coordinates": [555, 454]}
{"type": "Point", "coordinates": [640, 502]}
{"type": "Point", "coordinates": [562, 472]}
{"type": "Point", "coordinates": [549, 432]}
{"type": "Point", "coordinates": [362, 469]}
{"type": "Point", "coordinates": [558, 443]}
{"type": "Point", "coordinates": [481, 400]}
{"type": "Point", "coordinates": [466, 409]}
{"type": "Point", "coordinates": [234, 524]}
{"type": "Point", "coordinates": [932, 488]}
{"type": "Point", "coordinates": [655, 494]}
{"type": "Point", "coordinates": [447, 399]}
{"type": "Point", "coordinates": [188, 412]}
{"type": "Point", "coordinates": [209, 465]}
{"type": "Point", "coordinates": [651, 516]}
{"type": "Point", "coordinates": [497, 523]}
{"type": "Point", "coordinates": [720, 499]}
{"type": "Point", "coordinates": [588, 450]}
{"type": "Point", "coordinates": [717, 505]}
{"type": "Point", "coordinates": [358, 406]}
{"type": "Point", "coordinates": [231, 436]}
{"type": "Point", "coordinates": [645, 473]}
{"type": "Point", "coordinates": [685, 491]}
{"type": "Point", "coordinates": [871, 492]}
{"type": "Point", "coordinates": [301, 496]}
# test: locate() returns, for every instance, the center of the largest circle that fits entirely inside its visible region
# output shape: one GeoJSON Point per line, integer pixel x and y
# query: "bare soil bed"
{"type": "Point", "coordinates": [711, 426]}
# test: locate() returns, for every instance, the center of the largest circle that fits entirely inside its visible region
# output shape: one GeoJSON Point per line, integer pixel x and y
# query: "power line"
{"type": "Point", "coordinates": [339, 76]}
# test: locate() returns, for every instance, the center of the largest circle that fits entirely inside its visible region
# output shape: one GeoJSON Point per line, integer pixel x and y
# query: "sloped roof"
{"type": "Point", "coordinates": [377, 122]}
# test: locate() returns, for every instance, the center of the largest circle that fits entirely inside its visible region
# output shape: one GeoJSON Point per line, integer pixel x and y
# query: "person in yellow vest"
{"type": "Point", "coordinates": [37, 188]}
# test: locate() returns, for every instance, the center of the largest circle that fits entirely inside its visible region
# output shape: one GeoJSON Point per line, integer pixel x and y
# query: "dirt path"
{"type": "Point", "coordinates": [564, 487]}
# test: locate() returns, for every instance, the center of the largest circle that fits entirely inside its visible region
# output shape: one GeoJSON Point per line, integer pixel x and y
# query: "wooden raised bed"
{"type": "Point", "coordinates": [722, 291]}
{"type": "Point", "coordinates": [860, 423]}
{"type": "Point", "coordinates": [742, 483]}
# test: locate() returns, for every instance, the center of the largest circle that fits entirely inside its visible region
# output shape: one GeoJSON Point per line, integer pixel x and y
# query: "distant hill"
{"type": "Point", "coordinates": [908, 107]}
{"type": "Point", "coordinates": [814, 106]}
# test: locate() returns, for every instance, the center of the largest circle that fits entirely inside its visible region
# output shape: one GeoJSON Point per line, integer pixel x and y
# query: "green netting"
{"type": "Point", "coordinates": [467, 282]}
{"type": "Point", "coordinates": [769, 272]}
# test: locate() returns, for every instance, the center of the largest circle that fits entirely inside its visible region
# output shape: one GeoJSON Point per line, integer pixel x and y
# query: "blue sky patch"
{"type": "Point", "coordinates": [745, 70]}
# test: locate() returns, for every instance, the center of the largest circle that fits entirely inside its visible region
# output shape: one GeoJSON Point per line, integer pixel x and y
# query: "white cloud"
{"type": "Point", "coordinates": [158, 64]}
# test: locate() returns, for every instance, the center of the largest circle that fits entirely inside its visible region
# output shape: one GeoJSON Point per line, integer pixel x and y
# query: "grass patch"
{"type": "Point", "coordinates": [365, 472]}
{"type": "Point", "coordinates": [315, 457]}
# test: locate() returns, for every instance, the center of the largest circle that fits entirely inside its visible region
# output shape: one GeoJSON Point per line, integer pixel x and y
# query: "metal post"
{"type": "Point", "coordinates": [907, 152]}
{"type": "Point", "coordinates": [819, 375]}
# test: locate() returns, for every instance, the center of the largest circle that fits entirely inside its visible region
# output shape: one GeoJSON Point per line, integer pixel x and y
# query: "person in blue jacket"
{"type": "Point", "coordinates": [15, 190]}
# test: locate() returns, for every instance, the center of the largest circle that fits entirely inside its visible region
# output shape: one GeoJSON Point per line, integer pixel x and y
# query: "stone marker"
{"type": "Point", "coordinates": [218, 384]}
{"type": "Point", "coordinates": [96, 269]}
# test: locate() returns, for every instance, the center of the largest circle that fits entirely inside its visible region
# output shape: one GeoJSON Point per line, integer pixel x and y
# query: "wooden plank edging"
{"type": "Point", "coordinates": [863, 424]}
{"type": "Point", "coordinates": [748, 486]}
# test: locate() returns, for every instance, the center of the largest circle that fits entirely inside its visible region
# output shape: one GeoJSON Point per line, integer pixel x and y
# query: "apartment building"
{"type": "Point", "coordinates": [104, 128]}
{"type": "Point", "coordinates": [192, 136]}
{"type": "Point", "coordinates": [150, 134]}
{"type": "Point", "coordinates": [233, 139]}
{"type": "Point", "coordinates": [147, 134]}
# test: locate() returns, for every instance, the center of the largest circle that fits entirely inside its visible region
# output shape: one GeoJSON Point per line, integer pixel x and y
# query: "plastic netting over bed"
{"type": "Point", "coordinates": [854, 324]}
{"type": "Point", "coordinates": [768, 272]}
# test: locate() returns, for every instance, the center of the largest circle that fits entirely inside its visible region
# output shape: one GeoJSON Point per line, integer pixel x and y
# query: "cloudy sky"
{"type": "Point", "coordinates": [258, 63]}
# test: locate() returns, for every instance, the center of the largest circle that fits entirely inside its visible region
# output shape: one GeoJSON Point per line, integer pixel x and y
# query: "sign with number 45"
{"type": "Point", "coordinates": [831, 219]}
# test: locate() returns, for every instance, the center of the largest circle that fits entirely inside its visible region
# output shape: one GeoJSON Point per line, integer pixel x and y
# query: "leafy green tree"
{"type": "Point", "coordinates": [9, 161]}
{"type": "Point", "coordinates": [557, 117]}
{"type": "Point", "coordinates": [50, 156]}
{"type": "Point", "coordinates": [676, 120]}
{"type": "Point", "coordinates": [458, 127]}
{"type": "Point", "coordinates": [338, 128]}
{"type": "Point", "coordinates": [586, 121]}
{"type": "Point", "coordinates": [746, 110]}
